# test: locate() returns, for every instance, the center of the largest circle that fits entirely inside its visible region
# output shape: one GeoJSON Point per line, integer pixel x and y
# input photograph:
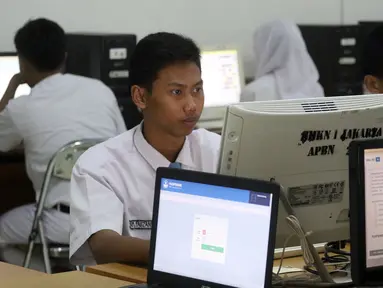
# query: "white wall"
{"type": "Point", "coordinates": [359, 10]}
{"type": "Point", "coordinates": [208, 22]}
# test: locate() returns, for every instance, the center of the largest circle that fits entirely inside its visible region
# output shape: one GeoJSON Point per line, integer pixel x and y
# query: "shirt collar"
{"type": "Point", "coordinates": [46, 81]}
{"type": "Point", "coordinates": [156, 159]}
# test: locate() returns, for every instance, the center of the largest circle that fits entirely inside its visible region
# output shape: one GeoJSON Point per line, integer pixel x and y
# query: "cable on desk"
{"type": "Point", "coordinates": [336, 259]}
{"type": "Point", "coordinates": [313, 271]}
{"type": "Point", "coordinates": [296, 226]}
{"type": "Point", "coordinates": [328, 260]}
{"type": "Point", "coordinates": [307, 251]}
{"type": "Point", "coordinates": [283, 253]}
{"type": "Point", "coordinates": [340, 257]}
{"type": "Point", "coordinates": [305, 241]}
{"type": "Point", "coordinates": [331, 247]}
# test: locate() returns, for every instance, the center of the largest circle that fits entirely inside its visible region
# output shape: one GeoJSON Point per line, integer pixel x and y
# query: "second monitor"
{"type": "Point", "coordinates": [223, 80]}
{"type": "Point", "coordinates": [222, 77]}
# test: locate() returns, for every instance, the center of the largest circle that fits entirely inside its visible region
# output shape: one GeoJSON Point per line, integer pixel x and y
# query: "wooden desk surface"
{"type": "Point", "coordinates": [139, 275]}
{"type": "Point", "coordinates": [120, 271]}
{"type": "Point", "coordinates": [8, 271]}
{"type": "Point", "coordinates": [65, 280]}
{"type": "Point", "coordinates": [296, 262]}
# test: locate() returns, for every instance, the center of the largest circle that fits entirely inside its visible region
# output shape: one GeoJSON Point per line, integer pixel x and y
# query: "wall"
{"type": "Point", "coordinates": [210, 22]}
{"type": "Point", "coordinates": [358, 10]}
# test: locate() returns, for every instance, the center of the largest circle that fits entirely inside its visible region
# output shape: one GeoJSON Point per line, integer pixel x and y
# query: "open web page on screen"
{"type": "Point", "coordinates": [213, 233]}
{"type": "Point", "coordinates": [9, 66]}
{"type": "Point", "coordinates": [221, 77]}
{"type": "Point", "coordinates": [373, 166]}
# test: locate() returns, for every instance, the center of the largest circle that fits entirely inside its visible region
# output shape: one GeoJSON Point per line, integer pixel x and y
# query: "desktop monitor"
{"type": "Point", "coordinates": [9, 66]}
{"type": "Point", "coordinates": [303, 145]}
{"type": "Point", "coordinates": [366, 211]}
{"type": "Point", "coordinates": [223, 80]}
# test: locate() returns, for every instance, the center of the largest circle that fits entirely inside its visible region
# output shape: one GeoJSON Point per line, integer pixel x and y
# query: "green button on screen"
{"type": "Point", "coordinates": [212, 248]}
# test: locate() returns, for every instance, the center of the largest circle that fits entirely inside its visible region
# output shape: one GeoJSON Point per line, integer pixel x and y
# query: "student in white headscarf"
{"type": "Point", "coordinates": [284, 69]}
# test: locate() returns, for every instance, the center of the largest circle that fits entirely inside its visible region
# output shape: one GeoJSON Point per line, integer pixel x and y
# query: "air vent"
{"type": "Point", "coordinates": [319, 106]}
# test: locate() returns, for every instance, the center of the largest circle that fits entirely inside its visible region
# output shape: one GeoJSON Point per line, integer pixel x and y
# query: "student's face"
{"type": "Point", "coordinates": [373, 84]}
{"type": "Point", "coordinates": [176, 101]}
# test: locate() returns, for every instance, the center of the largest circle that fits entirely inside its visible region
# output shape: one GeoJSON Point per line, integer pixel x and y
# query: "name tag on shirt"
{"type": "Point", "coordinates": [140, 224]}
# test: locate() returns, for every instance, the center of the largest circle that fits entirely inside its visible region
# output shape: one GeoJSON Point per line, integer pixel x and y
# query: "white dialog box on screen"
{"type": "Point", "coordinates": [209, 238]}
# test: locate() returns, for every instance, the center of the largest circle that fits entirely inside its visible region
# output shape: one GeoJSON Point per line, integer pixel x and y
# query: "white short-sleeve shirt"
{"type": "Point", "coordinates": [60, 109]}
{"type": "Point", "coordinates": [113, 183]}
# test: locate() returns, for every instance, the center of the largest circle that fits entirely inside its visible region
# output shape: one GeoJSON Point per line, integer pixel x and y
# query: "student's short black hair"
{"type": "Point", "coordinates": [372, 59]}
{"type": "Point", "coordinates": [157, 51]}
{"type": "Point", "coordinates": [43, 43]}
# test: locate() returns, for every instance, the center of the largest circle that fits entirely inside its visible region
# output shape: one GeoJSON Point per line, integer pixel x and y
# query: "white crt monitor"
{"type": "Point", "coordinates": [9, 66]}
{"type": "Point", "coordinates": [302, 144]}
{"type": "Point", "coordinates": [222, 80]}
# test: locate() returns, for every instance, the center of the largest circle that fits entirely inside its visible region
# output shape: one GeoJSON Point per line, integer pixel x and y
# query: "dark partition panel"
{"type": "Point", "coordinates": [335, 51]}
{"type": "Point", "coordinates": [15, 187]}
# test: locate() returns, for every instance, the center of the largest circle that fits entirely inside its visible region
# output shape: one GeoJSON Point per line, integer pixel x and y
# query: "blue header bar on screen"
{"type": "Point", "coordinates": [217, 192]}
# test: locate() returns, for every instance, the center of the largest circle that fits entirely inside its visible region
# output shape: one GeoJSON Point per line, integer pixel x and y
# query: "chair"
{"type": "Point", "coordinates": [60, 166]}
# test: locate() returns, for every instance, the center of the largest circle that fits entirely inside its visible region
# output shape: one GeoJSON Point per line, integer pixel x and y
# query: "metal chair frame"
{"type": "Point", "coordinates": [60, 166]}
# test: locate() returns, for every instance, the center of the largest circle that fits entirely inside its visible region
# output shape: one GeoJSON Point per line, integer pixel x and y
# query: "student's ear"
{"type": "Point", "coordinates": [373, 85]}
{"type": "Point", "coordinates": [139, 96]}
{"type": "Point", "coordinates": [63, 65]}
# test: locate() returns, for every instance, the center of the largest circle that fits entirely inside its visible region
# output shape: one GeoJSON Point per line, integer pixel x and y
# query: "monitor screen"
{"type": "Point", "coordinates": [221, 77]}
{"type": "Point", "coordinates": [373, 181]}
{"type": "Point", "coordinates": [215, 229]}
{"type": "Point", "coordinates": [9, 66]}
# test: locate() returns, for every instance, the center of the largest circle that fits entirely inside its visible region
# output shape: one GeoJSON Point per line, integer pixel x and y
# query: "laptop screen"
{"type": "Point", "coordinates": [213, 233]}
{"type": "Point", "coordinates": [373, 178]}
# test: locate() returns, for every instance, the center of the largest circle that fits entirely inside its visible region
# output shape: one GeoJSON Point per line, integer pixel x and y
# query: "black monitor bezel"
{"type": "Point", "coordinates": [170, 280]}
{"type": "Point", "coordinates": [8, 53]}
{"type": "Point", "coordinates": [359, 271]}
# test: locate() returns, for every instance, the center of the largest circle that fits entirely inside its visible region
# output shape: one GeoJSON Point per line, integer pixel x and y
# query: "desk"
{"type": "Point", "coordinates": [69, 280]}
{"type": "Point", "coordinates": [8, 271]}
{"type": "Point", "coordinates": [138, 275]}
{"type": "Point", "coordinates": [296, 262]}
{"type": "Point", "coordinates": [15, 277]}
{"type": "Point", "coordinates": [120, 271]}
{"type": "Point", "coordinates": [15, 185]}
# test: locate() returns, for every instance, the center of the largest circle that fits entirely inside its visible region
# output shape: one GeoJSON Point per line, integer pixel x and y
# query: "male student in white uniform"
{"type": "Point", "coordinates": [60, 108]}
{"type": "Point", "coordinates": [372, 62]}
{"type": "Point", "coordinates": [112, 186]}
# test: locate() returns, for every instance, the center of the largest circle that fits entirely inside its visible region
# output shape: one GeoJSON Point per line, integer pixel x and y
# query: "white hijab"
{"type": "Point", "coordinates": [280, 51]}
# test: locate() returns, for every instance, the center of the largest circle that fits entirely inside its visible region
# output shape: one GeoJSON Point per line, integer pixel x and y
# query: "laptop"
{"type": "Point", "coordinates": [212, 230]}
{"type": "Point", "coordinates": [366, 212]}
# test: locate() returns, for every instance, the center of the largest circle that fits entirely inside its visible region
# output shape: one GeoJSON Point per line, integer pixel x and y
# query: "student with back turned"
{"type": "Point", "coordinates": [372, 62]}
{"type": "Point", "coordinates": [61, 108]}
{"type": "Point", "coordinates": [113, 183]}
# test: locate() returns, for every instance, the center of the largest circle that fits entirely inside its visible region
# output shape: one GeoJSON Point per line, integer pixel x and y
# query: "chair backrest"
{"type": "Point", "coordinates": [61, 165]}
{"type": "Point", "coordinates": [65, 159]}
